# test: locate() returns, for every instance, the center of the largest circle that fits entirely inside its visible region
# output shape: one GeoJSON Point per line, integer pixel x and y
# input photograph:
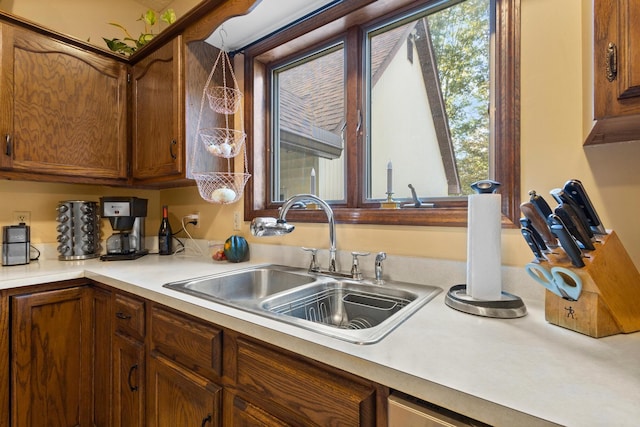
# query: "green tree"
{"type": "Point", "coordinates": [460, 36]}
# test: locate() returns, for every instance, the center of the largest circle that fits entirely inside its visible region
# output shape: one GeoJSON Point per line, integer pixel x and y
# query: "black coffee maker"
{"type": "Point", "coordinates": [126, 215]}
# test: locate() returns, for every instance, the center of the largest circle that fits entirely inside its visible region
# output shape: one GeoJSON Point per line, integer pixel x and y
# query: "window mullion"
{"type": "Point", "coordinates": [355, 133]}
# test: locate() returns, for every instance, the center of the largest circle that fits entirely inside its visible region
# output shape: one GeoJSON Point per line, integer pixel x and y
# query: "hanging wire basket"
{"type": "Point", "coordinates": [224, 100]}
{"type": "Point", "coordinates": [223, 142]}
{"type": "Point", "coordinates": [221, 187]}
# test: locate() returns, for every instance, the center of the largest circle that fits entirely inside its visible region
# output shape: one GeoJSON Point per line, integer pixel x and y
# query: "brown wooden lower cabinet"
{"type": "Point", "coordinates": [178, 397]}
{"type": "Point", "coordinates": [129, 382]}
{"type": "Point", "coordinates": [295, 390]}
{"type": "Point", "coordinates": [51, 367]}
{"type": "Point", "coordinates": [94, 356]}
{"type": "Point", "coordinates": [240, 413]}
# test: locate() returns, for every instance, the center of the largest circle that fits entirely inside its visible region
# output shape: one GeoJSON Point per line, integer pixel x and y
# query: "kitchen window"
{"type": "Point", "coordinates": [339, 97]}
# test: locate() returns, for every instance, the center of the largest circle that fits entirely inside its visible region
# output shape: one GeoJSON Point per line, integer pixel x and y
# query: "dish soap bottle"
{"type": "Point", "coordinates": [165, 236]}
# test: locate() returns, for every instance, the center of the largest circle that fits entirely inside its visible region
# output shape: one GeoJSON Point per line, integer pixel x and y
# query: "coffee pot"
{"type": "Point", "coordinates": [126, 216]}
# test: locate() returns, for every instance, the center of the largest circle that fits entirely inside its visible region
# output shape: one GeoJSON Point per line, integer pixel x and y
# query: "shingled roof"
{"type": "Point", "coordinates": [312, 105]}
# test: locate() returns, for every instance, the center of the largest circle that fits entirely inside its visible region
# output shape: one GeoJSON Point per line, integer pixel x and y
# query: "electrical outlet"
{"type": "Point", "coordinates": [197, 218]}
{"type": "Point", "coordinates": [22, 216]}
{"type": "Point", "coordinates": [237, 221]}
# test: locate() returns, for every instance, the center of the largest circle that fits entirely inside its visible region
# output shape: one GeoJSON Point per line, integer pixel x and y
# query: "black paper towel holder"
{"type": "Point", "coordinates": [509, 306]}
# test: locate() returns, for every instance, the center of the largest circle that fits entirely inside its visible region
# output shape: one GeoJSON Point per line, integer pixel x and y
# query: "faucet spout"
{"type": "Point", "coordinates": [330, 219]}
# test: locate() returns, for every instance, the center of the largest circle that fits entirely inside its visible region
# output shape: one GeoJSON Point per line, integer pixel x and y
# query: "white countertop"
{"type": "Point", "coordinates": [503, 372]}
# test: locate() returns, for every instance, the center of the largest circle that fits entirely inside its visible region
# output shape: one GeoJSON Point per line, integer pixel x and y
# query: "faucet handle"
{"type": "Point", "coordinates": [314, 266]}
{"type": "Point", "coordinates": [355, 266]}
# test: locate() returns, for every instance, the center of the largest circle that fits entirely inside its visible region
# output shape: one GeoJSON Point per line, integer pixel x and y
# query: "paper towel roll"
{"type": "Point", "coordinates": [484, 258]}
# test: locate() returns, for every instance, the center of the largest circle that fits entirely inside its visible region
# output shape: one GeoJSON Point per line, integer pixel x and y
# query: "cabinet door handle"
{"type": "Point", "coordinates": [173, 144]}
{"type": "Point", "coordinates": [7, 150]}
{"type": "Point", "coordinates": [124, 316]}
{"type": "Point", "coordinates": [205, 420]}
{"type": "Point", "coordinates": [611, 63]}
{"type": "Point", "coordinates": [131, 370]}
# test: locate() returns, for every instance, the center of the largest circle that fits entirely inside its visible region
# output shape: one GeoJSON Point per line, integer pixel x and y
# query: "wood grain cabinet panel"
{"type": "Point", "coordinates": [616, 71]}
{"type": "Point", "coordinates": [51, 365]}
{"type": "Point", "coordinates": [63, 109]}
{"type": "Point", "coordinates": [195, 345]}
{"type": "Point", "coordinates": [128, 382]}
{"type": "Point", "coordinates": [129, 316]}
{"type": "Point", "coordinates": [102, 357]}
{"type": "Point", "coordinates": [300, 392]}
{"type": "Point", "coordinates": [158, 135]}
{"type": "Point", "coordinates": [240, 413]}
{"type": "Point", "coordinates": [179, 397]}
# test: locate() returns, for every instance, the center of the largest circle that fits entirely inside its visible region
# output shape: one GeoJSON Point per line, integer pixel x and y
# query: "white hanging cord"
{"type": "Point", "coordinates": [194, 245]}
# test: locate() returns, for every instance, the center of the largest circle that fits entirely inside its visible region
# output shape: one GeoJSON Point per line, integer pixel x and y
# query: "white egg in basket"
{"type": "Point", "coordinates": [223, 195]}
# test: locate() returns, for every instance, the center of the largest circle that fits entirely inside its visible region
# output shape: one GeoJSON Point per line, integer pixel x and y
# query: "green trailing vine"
{"type": "Point", "coordinates": [130, 44]}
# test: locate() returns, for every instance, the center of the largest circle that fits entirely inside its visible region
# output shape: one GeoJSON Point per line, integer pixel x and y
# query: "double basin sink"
{"type": "Point", "coordinates": [358, 311]}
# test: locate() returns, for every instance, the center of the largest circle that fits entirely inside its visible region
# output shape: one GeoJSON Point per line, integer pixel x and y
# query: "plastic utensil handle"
{"type": "Point", "coordinates": [560, 274]}
{"type": "Point", "coordinates": [542, 276]}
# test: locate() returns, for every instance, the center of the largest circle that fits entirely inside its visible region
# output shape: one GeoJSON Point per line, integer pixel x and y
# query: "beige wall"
{"type": "Point", "coordinates": [88, 20]}
{"type": "Point", "coordinates": [556, 99]}
{"type": "Point", "coordinates": [41, 199]}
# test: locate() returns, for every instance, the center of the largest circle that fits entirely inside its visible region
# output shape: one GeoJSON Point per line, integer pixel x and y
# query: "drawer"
{"type": "Point", "coordinates": [314, 394]}
{"type": "Point", "coordinates": [129, 315]}
{"type": "Point", "coordinates": [192, 343]}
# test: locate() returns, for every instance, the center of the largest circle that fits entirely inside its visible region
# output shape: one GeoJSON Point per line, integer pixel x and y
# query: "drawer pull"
{"type": "Point", "coordinates": [124, 316]}
{"type": "Point", "coordinates": [205, 420]}
{"type": "Point", "coordinates": [173, 144]}
{"type": "Point", "coordinates": [8, 145]}
{"type": "Point", "coordinates": [131, 370]}
{"type": "Point", "coordinates": [611, 63]}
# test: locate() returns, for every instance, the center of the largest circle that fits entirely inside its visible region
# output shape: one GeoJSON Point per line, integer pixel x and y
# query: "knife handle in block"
{"type": "Point", "coordinates": [539, 224]}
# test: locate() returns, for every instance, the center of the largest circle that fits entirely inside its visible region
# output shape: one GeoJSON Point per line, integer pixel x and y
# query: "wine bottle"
{"type": "Point", "coordinates": [165, 237]}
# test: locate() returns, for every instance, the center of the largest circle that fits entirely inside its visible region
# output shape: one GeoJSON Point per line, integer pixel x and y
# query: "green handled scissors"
{"type": "Point", "coordinates": [559, 280]}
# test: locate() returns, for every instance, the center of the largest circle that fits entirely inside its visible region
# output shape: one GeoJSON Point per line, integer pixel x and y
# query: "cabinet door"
{"type": "Point", "coordinates": [617, 57]}
{"type": "Point", "coordinates": [178, 397]}
{"type": "Point", "coordinates": [240, 413]}
{"type": "Point", "coordinates": [51, 364]}
{"type": "Point", "coordinates": [158, 114]}
{"type": "Point", "coordinates": [128, 382]}
{"type": "Point", "coordinates": [66, 108]}
{"type": "Point", "coordinates": [6, 116]}
{"type": "Point", "coordinates": [187, 341]}
{"type": "Point", "coordinates": [300, 392]}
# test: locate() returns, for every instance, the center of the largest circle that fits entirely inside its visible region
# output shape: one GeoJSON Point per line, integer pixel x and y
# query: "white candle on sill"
{"type": "Point", "coordinates": [313, 181]}
{"type": "Point", "coordinates": [389, 177]}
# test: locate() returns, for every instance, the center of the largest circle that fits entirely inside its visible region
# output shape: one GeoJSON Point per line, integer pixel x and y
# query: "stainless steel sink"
{"type": "Point", "coordinates": [251, 284]}
{"type": "Point", "coordinates": [360, 311]}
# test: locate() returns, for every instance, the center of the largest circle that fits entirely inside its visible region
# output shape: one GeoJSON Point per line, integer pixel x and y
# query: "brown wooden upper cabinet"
{"type": "Point", "coordinates": [158, 130]}
{"type": "Point", "coordinates": [616, 72]}
{"type": "Point", "coordinates": [63, 110]}
{"type": "Point", "coordinates": [70, 112]}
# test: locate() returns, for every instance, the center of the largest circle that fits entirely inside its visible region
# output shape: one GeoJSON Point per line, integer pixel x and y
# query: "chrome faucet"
{"type": "Point", "coordinates": [378, 266]}
{"type": "Point", "coordinates": [276, 227]}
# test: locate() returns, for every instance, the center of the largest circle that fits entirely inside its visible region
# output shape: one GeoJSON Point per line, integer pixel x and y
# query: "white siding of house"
{"type": "Point", "coordinates": [403, 133]}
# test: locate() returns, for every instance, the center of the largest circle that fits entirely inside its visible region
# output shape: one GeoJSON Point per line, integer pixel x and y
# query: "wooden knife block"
{"type": "Point", "coordinates": [610, 300]}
